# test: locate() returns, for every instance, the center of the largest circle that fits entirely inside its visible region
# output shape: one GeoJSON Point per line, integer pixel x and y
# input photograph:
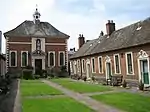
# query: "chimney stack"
{"type": "Point", "coordinates": [102, 33]}
{"type": "Point", "coordinates": [81, 40]}
{"type": "Point", "coordinates": [110, 27]}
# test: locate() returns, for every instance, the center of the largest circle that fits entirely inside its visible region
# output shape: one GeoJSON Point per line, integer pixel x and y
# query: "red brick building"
{"type": "Point", "coordinates": [37, 44]}
{"type": "Point", "coordinates": [120, 52]}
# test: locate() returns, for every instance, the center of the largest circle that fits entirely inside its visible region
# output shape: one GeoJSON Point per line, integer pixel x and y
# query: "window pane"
{"type": "Point", "coordinates": [61, 59]}
{"type": "Point", "coordinates": [78, 66]}
{"type": "Point", "coordinates": [51, 59]}
{"type": "Point", "coordinates": [100, 65]}
{"type": "Point", "coordinates": [117, 64]}
{"type": "Point", "coordinates": [129, 60]}
{"type": "Point", "coordinates": [83, 65]}
{"type": "Point", "coordinates": [24, 59]}
{"type": "Point", "coordinates": [93, 65]}
{"type": "Point", "coordinates": [13, 59]}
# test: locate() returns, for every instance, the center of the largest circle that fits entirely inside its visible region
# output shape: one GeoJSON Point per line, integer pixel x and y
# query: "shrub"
{"type": "Point", "coordinates": [141, 85]}
{"type": "Point", "coordinates": [93, 78]}
{"type": "Point", "coordinates": [44, 74]}
{"type": "Point", "coordinates": [124, 84]}
{"type": "Point", "coordinates": [63, 69]}
{"type": "Point", "coordinates": [27, 74]}
{"type": "Point", "coordinates": [36, 76]}
{"type": "Point", "coordinates": [84, 78]}
{"type": "Point", "coordinates": [28, 67]}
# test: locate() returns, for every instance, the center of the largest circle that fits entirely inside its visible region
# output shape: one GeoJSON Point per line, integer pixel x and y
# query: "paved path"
{"type": "Point", "coordinates": [86, 100]}
{"type": "Point", "coordinates": [17, 104]}
{"type": "Point", "coordinates": [8, 101]}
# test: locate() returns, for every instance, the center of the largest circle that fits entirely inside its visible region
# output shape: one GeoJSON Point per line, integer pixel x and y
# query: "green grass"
{"type": "Point", "coordinates": [126, 101]}
{"type": "Point", "coordinates": [54, 105]}
{"type": "Point", "coordinates": [80, 86]}
{"type": "Point", "coordinates": [35, 88]}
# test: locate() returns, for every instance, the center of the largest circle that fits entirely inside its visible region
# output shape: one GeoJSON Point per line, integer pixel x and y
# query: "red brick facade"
{"type": "Point", "coordinates": [25, 44]}
{"type": "Point", "coordinates": [135, 51]}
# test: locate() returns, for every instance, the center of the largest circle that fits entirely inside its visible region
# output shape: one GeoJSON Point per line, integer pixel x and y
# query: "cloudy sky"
{"type": "Point", "coordinates": [74, 16]}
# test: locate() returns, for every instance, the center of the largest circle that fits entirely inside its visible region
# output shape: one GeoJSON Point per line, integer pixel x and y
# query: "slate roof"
{"type": "Point", "coordinates": [132, 35]}
{"type": "Point", "coordinates": [43, 29]}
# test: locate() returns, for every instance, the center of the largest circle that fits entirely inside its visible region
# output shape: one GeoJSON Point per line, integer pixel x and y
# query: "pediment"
{"type": "Point", "coordinates": [38, 53]}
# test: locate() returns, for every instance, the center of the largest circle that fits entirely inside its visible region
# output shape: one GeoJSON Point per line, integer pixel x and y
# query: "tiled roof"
{"type": "Point", "coordinates": [28, 28]}
{"type": "Point", "coordinates": [132, 35]}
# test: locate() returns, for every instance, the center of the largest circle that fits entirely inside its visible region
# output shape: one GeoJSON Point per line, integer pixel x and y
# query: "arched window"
{"type": "Point", "coordinates": [24, 58]}
{"type": "Point", "coordinates": [61, 58]}
{"type": "Point", "coordinates": [38, 44]}
{"type": "Point", "coordinates": [52, 58]}
{"type": "Point", "coordinates": [13, 58]}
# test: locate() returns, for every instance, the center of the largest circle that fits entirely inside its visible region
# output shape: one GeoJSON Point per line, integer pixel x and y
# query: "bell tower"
{"type": "Point", "coordinates": [36, 16]}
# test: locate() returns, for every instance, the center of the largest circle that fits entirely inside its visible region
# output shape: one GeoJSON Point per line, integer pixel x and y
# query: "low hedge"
{"type": "Point", "coordinates": [27, 74]}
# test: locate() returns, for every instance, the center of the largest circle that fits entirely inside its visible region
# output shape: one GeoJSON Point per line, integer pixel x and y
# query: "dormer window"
{"type": "Point", "coordinates": [139, 26]}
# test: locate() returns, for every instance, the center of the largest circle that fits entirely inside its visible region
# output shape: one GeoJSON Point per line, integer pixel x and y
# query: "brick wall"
{"type": "Point", "coordinates": [26, 46]}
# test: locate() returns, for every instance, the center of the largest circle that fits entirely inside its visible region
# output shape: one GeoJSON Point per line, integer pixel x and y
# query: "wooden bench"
{"type": "Point", "coordinates": [115, 80]}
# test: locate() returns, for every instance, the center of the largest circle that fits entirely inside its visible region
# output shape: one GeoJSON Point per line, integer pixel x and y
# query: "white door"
{"type": "Point", "coordinates": [144, 72]}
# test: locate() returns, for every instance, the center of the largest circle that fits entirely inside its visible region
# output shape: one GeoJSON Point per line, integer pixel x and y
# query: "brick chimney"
{"type": "Point", "coordinates": [110, 27]}
{"type": "Point", "coordinates": [81, 40]}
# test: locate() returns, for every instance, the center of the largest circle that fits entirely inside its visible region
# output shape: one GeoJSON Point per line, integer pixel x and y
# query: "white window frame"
{"type": "Point", "coordinates": [10, 58]}
{"type": "Point", "coordinates": [115, 64]}
{"type": "Point", "coordinates": [83, 68]}
{"type": "Point", "coordinates": [21, 57]}
{"type": "Point", "coordinates": [99, 64]}
{"type": "Point", "coordinates": [127, 63]}
{"type": "Point", "coordinates": [49, 58]}
{"type": "Point", "coordinates": [59, 58]}
{"type": "Point", "coordinates": [92, 65]}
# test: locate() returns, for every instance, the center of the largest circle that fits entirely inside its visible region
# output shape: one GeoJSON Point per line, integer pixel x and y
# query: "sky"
{"type": "Point", "coordinates": [74, 17]}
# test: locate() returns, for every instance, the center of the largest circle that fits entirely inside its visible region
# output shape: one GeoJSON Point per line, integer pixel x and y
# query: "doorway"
{"type": "Point", "coordinates": [38, 66]}
{"type": "Point", "coordinates": [88, 70]}
{"type": "Point", "coordinates": [108, 70]}
{"type": "Point", "coordinates": [144, 71]}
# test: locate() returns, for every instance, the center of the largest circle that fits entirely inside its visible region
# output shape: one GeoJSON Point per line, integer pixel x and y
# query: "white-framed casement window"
{"type": "Point", "coordinates": [83, 65]}
{"type": "Point", "coordinates": [24, 58]}
{"type": "Point", "coordinates": [51, 58]}
{"type": "Point", "coordinates": [61, 57]}
{"type": "Point", "coordinates": [13, 59]}
{"type": "Point", "coordinates": [129, 63]}
{"type": "Point", "coordinates": [117, 65]}
{"type": "Point", "coordinates": [78, 65]}
{"type": "Point", "coordinates": [93, 65]}
{"type": "Point", "coordinates": [100, 64]}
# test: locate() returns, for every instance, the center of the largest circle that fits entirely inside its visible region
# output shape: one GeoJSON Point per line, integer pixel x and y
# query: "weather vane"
{"type": "Point", "coordinates": [36, 6]}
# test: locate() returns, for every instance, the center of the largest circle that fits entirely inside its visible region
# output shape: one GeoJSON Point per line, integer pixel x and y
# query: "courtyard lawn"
{"type": "Point", "coordinates": [80, 86]}
{"type": "Point", "coordinates": [36, 88]}
{"type": "Point", "coordinates": [63, 104]}
{"type": "Point", "coordinates": [126, 101]}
